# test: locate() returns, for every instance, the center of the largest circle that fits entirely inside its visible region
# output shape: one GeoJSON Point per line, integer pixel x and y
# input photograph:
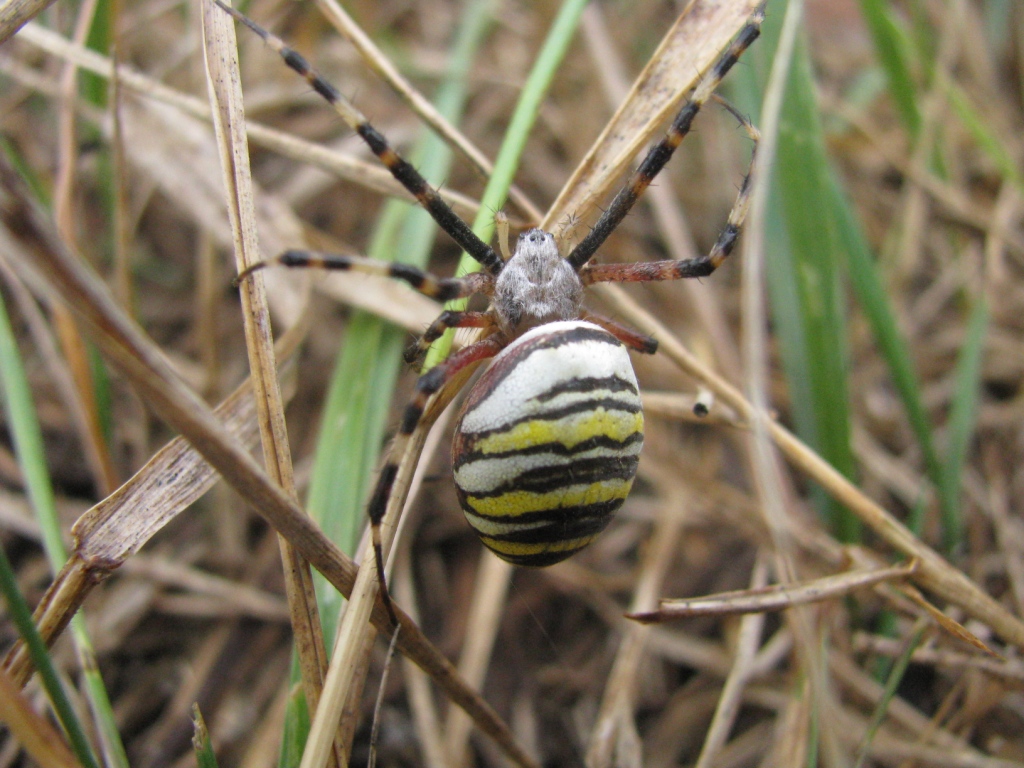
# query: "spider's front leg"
{"type": "Point", "coordinates": [430, 383]}
{"type": "Point", "coordinates": [661, 153]}
{"type": "Point", "coordinates": [403, 172]}
{"type": "Point", "coordinates": [653, 271]}
{"type": "Point", "coordinates": [440, 288]}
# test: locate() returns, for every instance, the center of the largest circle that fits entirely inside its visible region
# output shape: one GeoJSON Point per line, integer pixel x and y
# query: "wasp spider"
{"type": "Point", "coordinates": [547, 444]}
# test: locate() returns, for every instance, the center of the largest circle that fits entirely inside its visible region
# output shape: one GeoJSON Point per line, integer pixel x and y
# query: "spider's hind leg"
{"type": "Point", "coordinates": [702, 266]}
{"type": "Point", "coordinates": [427, 385]}
{"type": "Point", "coordinates": [635, 340]}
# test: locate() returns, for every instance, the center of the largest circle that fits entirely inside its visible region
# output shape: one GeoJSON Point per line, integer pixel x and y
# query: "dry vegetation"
{"type": "Point", "coordinates": [199, 615]}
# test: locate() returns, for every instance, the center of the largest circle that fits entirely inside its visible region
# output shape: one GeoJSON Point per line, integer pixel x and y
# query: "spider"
{"type": "Point", "coordinates": [547, 443]}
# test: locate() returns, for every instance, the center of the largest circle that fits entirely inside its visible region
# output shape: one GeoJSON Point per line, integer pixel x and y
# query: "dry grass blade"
{"type": "Point", "coordinates": [690, 47]}
{"type": "Point", "coordinates": [229, 121]}
{"type": "Point", "coordinates": [776, 597]}
{"type": "Point", "coordinates": [129, 351]}
{"type": "Point", "coordinates": [933, 573]}
{"type": "Point", "coordinates": [116, 529]}
{"type": "Point", "coordinates": [953, 627]}
{"type": "Point", "coordinates": [16, 13]}
{"type": "Point", "coordinates": [34, 732]}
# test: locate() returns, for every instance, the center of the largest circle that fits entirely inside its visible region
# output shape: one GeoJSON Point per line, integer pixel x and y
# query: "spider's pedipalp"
{"type": "Point", "coordinates": [661, 152]}
{"type": "Point", "coordinates": [501, 225]}
{"type": "Point", "coordinates": [401, 169]}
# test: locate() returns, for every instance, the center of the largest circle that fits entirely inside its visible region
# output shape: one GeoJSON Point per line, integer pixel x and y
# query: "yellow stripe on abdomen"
{"type": "Point", "coordinates": [517, 503]}
{"type": "Point", "coordinates": [569, 431]}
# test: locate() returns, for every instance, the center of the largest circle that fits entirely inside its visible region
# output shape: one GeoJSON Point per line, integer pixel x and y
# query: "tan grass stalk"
{"type": "Point", "coordinates": [14, 14]}
{"type": "Point", "coordinates": [339, 164]}
{"type": "Point", "coordinates": [33, 732]}
{"type": "Point", "coordinates": [689, 48]}
{"type": "Point", "coordinates": [221, 57]}
{"type": "Point", "coordinates": [614, 739]}
{"type": "Point", "coordinates": [776, 597]}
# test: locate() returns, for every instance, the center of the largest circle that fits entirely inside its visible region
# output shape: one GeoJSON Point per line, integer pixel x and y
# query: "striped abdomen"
{"type": "Point", "coordinates": [547, 445]}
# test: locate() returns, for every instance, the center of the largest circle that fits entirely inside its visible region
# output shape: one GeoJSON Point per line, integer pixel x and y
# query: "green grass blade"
{"type": "Point", "coordinates": [559, 38]}
{"type": "Point", "coordinates": [28, 444]}
{"type": "Point", "coordinates": [804, 276]}
{"type": "Point", "coordinates": [816, 214]}
{"type": "Point", "coordinates": [891, 47]}
{"type": "Point", "coordinates": [28, 441]}
{"type": "Point", "coordinates": [986, 138]}
{"type": "Point", "coordinates": [93, 88]}
{"type": "Point", "coordinates": [869, 290]}
{"type": "Point", "coordinates": [20, 418]}
{"type": "Point", "coordinates": [20, 614]}
{"type": "Point", "coordinates": [804, 177]}
{"type": "Point", "coordinates": [201, 744]}
{"type": "Point", "coordinates": [356, 412]}
{"type": "Point", "coordinates": [296, 725]}
{"type": "Point", "coordinates": [961, 426]}
{"type": "Point", "coordinates": [899, 668]}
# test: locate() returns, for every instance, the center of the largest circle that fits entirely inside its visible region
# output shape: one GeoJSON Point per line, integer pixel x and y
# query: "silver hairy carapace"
{"type": "Point", "coordinates": [536, 286]}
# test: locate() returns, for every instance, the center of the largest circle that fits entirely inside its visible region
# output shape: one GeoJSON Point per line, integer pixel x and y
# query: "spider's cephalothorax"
{"type": "Point", "coordinates": [546, 447]}
{"type": "Point", "coordinates": [536, 286]}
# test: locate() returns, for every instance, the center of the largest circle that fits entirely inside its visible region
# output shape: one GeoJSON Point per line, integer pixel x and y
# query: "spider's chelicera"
{"type": "Point", "coordinates": [547, 444]}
